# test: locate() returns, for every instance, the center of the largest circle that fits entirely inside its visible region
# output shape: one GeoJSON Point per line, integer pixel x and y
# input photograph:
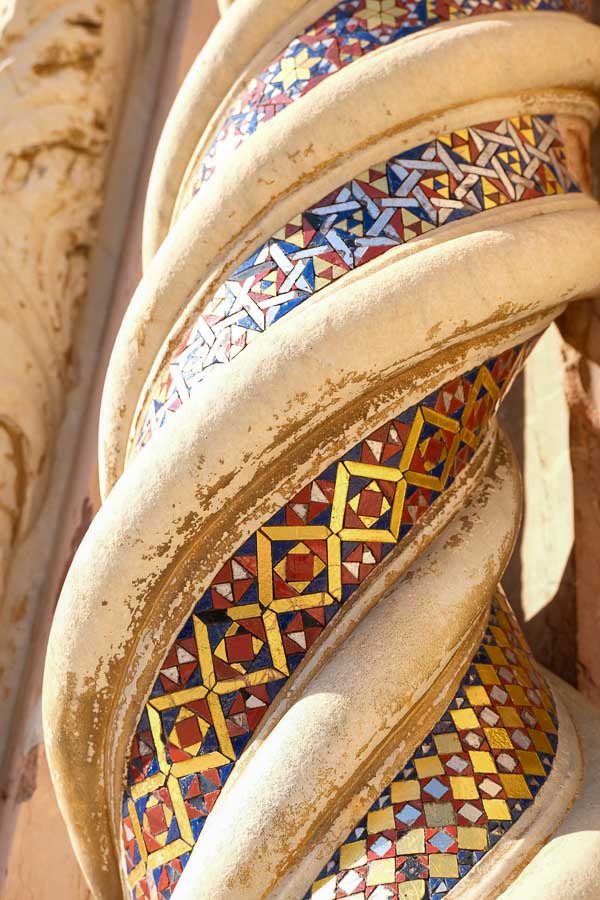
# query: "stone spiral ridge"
{"type": "Point", "coordinates": [466, 784]}
{"type": "Point", "coordinates": [269, 603]}
{"type": "Point", "coordinates": [348, 31]}
{"type": "Point", "coordinates": [450, 178]}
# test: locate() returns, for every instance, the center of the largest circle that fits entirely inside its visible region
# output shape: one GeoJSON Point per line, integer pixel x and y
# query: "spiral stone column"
{"type": "Point", "coordinates": [282, 665]}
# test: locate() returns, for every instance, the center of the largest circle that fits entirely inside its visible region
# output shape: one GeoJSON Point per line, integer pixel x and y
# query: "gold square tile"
{"type": "Point", "coordinates": [401, 791]}
{"type": "Point", "coordinates": [477, 695]}
{"type": "Point", "coordinates": [464, 719]}
{"type": "Point", "coordinates": [380, 820]}
{"type": "Point", "coordinates": [443, 865]}
{"type": "Point", "coordinates": [496, 655]}
{"type": "Point", "coordinates": [354, 854]}
{"type": "Point", "coordinates": [472, 838]}
{"type": "Point", "coordinates": [498, 738]}
{"type": "Point", "coordinates": [530, 762]}
{"type": "Point", "coordinates": [381, 871]}
{"type": "Point", "coordinates": [500, 636]}
{"type": "Point", "coordinates": [510, 716]}
{"type": "Point", "coordinates": [497, 809]}
{"type": "Point", "coordinates": [463, 787]}
{"type": "Point", "coordinates": [428, 766]}
{"type": "Point", "coordinates": [447, 743]}
{"type": "Point", "coordinates": [482, 761]}
{"type": "Point", "coordinates": [517, 695]}
{"type": "Point", "coordinates": [515, 787]}
{"type": "Point", "coordinates": [540, 741]}
{"type": "Point", "coordinates": [487, 674]}
{"type": "Point", "coordinates": [410, 843]}
{"type": "Point", "coordinates": [546, 723]}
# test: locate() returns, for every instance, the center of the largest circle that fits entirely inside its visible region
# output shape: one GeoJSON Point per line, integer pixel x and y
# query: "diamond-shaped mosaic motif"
{"type": "Point", "coordinates": [450, 178]}
{"type": "Point", "coordinates": [347, 32]}
{"type": "Point", "coordinates": [268, 604]}
{"type": "Point", "coordinates": [473, 776]}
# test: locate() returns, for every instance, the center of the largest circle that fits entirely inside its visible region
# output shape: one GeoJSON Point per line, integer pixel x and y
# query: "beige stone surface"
{"type": "Point", "coordinates": [69, 73]}
{"type": "Point", "coordinates": [568, 865]}
{"type": "Point", "coordinates": [63, 71]}
{"type": "Point", "coordinates": [43, 864]}
{"type": "Point", "coordinates": [53, 147]}
{"type": "Point", "coordinates": [540, 577]}
{"type": "Point", "coordinates": [548, 518]}
{"type": "Point", "coordinates": [291, 404]}
{"type": "Point", "coordinates": [204, 245]}
{"type": "Point", "coordinates": [255, 842]}
{"type": "Point", "coordinates": [148, 100]}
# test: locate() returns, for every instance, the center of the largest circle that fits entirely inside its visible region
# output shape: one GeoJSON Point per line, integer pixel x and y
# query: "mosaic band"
{"type": "Point", "coordinates": [218, 661]}
{"type": "Point", "coordinates": [448, 179]}
{"type": "Point", "coordinates": [468, 782]}
{"type": "Point", "coordinates": [269, 604]}
{"type": "Point", "coordinates": [344, 34]}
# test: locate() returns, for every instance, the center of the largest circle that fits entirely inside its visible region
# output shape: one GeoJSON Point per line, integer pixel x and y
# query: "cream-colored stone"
{"type": "Point", "coordinates": [568, 865]}
{"type": "Point", "coordinates": [291, 404]}
{"type": "Point", "coordinates": [42, 863]}
{"type": "Point", "coordinates": [358, 733]}
{"type": "Point", "coordinates": [62, 78]}
{"type": "Point", "coordinates": [305, 165]}
{"type": "Point", "coordinates": [546, 548]}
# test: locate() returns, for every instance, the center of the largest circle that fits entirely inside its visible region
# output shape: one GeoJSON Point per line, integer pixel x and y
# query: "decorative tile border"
{"type": "Point", "coordinates": [450, 178]}
{"type": "Point", "coordinates": [469, 781]}
{"type": "Point", "coordinates": [342, 35]}
{"type": "Point", "coordinates": [270, 602]}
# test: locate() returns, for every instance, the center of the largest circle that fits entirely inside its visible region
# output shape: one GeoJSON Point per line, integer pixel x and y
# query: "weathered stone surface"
{"type": "Point", "coordinates": [209, 498]}
{"type": "Point", "coordinates": [63, 73]}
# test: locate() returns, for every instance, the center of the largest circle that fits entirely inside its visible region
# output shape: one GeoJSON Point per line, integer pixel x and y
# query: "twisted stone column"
{"type": "Point", "coordinates": [282, 659]}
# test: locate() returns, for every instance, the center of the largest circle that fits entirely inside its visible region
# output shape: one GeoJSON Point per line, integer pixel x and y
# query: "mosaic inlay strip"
{"type": "Point", "coordinates": [447, 179]}
{"type": "Point", "coordinates": [269, 603]}
{"type": "Point", "coordinates": [470, 780]}
{"type": "Point", "coordinates": [342, 35]}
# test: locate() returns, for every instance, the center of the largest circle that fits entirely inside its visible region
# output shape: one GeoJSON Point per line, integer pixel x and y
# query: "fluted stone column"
{"type": "Point", "coordinates": [282, 659]}
{"type": "Point", "coordinates": [64, 78]}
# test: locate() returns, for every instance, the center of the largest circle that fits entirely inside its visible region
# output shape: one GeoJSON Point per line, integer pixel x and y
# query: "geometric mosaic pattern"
{"type": "Point", "coordinates": [269, 603]}
{"type": "Point", "coordinates": [469, 781]}
{"type": "Point", "coordinates": [450, 178]}
{"type": "Point", "coordinates": [342, 35]}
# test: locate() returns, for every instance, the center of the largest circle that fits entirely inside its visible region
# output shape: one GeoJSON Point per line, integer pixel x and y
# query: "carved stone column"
{"type": "Point", "coordinates": [62, 79]}
{"type": "Point", "coordinates": [282, 659]}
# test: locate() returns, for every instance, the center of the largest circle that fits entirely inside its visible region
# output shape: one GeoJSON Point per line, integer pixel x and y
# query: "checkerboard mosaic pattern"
{"type": "Point", "coordinates": [453, 177]}
{"type": "Point", "coordinates": [269, 603]}
{"type": "Point", "coordinates": [469, 781]}
{"type": "Point", "coordinates": [342, 35]}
